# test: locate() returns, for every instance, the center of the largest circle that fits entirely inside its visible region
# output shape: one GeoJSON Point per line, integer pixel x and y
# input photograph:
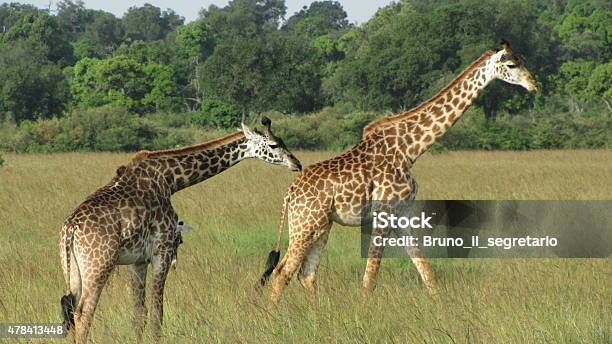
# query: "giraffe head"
{"type": "Point", "coordinates": [510, 68]}
{"type": "Point", "coordinates": [268, 147]}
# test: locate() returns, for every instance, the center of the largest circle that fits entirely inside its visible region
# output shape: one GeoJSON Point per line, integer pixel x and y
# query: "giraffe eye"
{"type": "Point", "coordinates": [512, 66]}
{"type": "Point", "coordinates": [273, 146]}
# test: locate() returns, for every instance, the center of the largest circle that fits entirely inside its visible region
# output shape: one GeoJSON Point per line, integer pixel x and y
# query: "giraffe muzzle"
{"type": "Point", "coordinates": [295, 166]}
{"type": "Point", "coordinates": [532, 87]}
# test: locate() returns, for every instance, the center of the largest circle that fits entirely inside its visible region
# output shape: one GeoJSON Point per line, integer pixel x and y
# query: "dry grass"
{"type": "Point", "coordinates": [210, 297]}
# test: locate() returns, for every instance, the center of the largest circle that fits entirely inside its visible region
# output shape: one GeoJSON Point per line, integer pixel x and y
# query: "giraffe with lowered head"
{"type": "Point", "coordinates": [130, 221]}
{"type": "Point", "coordinates": [377, 168]}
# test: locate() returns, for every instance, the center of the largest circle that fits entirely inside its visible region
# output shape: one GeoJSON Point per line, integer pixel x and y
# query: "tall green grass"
{"type": "Point", "coordinates": [210, 297]}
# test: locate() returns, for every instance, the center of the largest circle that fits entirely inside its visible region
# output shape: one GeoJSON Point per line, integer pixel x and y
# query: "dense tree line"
{"type": "Point", "coordinates": [251, 55]}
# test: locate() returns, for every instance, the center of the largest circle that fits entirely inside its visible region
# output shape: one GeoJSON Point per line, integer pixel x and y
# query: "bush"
{"type": "Point", "coordinates": [329, 129]}
{"type": "Point", "coordinates": [217, 113]}
{"type": "Point", "coordinates": [1, 161]}
{"type": "Point", "coordinates": [534, 131]}
{"type": "Point", "coordinates": [115, 129]}
{"type": "Point", "coordinates": [100, 129]}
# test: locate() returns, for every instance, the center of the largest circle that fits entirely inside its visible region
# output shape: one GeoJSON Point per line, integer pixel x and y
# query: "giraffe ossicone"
{"type": "Point", "coordinates": [377, 168]}
{"type": "Point", "coordinates": [131, 221]}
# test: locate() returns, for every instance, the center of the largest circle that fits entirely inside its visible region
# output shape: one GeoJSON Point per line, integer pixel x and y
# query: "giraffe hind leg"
{"type": "Point", "coordinates": [425, 271]}
{"type": "Point", "coordinates": [138, 276]}
{"type": "Point", "coordinates": [421, 264]}
{"type": "Point", "coordinates": [284, 272]}
{"type": "Point", "coordinates": [90, 295]}
{"type": "Point", "coordinates": [293, 259]}
{"type": "Point", "coordinates": [94, 272]}
{"type": "Point", "coordinates": [161, 265]}
{"type": "Point", "coordinates": [310, 265]}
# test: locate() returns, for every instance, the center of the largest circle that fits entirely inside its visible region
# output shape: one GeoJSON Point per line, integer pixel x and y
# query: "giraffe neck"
{"type": "Point", "coordinates": [419, 128]}
{"type": "Point", "coordinates": [199, 166]}
{"type": "Point", "coordinates": [174, 170]}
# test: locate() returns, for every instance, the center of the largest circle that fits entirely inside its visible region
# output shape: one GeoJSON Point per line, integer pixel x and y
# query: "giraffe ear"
{"type": "Point", "coordinates": [267, 123]}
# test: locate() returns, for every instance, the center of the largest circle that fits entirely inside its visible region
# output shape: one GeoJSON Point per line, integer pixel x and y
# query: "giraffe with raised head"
{"type": "Point", "coordinates": [131, 221]}
{"type": "Point", "coordinates": [377, 168]}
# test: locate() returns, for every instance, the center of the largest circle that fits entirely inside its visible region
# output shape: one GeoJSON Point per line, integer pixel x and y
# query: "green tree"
{"type": "Point", "coordinates": [320, 18]}
{"type": "Point", "coordinates": [574, 78]}
{"type": "Point", "coordinates": [36, 27]}
{"type": "Point", "coordinates": [31, 86]}
{"type": "Point", "coordinates": [164, 92]}
{"type": "Point", "coordinates": [217, 113]}
{"type": "Point", "coordinates": [149, 23]}
{"type": "Point", "coordinates": [600, 84]}
{"type": "Point", "coordinates": [244, 18]}
{"type": "Point", "coordinates": [165, 64]}
{"type": "Point", "coordinates": [585, 28]}
{"type": "Point", "coordinates": [390, 61]}
{"type": "Point", "coordinates": [102, 36]}
{"type": "Point", "coordinates": [293, 81]}
{"type": "Point", "coordinates": [124, 82]}
{"type": "Point", "coordinates": [11, 14]}
{"type": "Point", "coordinates": [252, 65]}
{"type": "Point", "coordinates": [196, 39]}
{"type": "Point", "coordinates": [116, 81]}
{"type": "Point", "coordinates": [196, 43]}
{"type": "Point", "coordinates": [72, 18]}
{"type": "Point", "coordinates": [321, 24]}
{"type": "Point", "coordinates": [275, 72]}
{"type": "Point", "coordinates": [409, 50]}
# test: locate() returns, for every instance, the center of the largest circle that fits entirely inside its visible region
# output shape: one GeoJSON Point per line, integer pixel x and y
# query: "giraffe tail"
{"type": "Point", "coordinates": [68, 301]}
{"type": "Point", "coordinates": [274, 255]}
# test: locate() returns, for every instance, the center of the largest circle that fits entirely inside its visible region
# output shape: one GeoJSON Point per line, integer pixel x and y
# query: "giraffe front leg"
{"type": "Point", "coordinates": [138, 277]}
{"type": "Point", "coordinates": [161, 266]}
{"type": "Point", "coordinates": [375, 253]}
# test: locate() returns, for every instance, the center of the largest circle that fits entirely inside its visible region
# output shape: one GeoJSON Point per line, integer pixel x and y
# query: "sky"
{"type": "Point", "coordinates": [358, 10]}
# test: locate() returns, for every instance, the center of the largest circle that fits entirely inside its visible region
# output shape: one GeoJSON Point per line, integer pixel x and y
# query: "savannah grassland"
{"type": "Point", "coordinates": [210, 296]}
